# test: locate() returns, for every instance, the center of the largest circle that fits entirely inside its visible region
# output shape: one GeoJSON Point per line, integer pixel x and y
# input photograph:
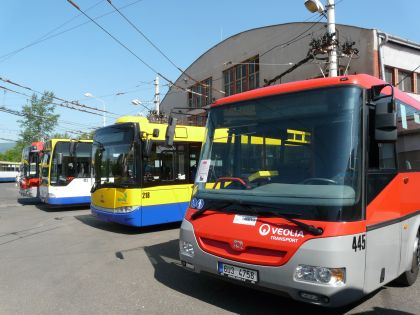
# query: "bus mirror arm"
{"type": "Point", "coordinates": [375, 92]}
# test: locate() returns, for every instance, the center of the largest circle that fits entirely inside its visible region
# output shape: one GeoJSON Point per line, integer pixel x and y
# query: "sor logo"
{"type": "Point", "coordinates": [264, 229]}
{"type": "Point", "coordinates": [238, 245]}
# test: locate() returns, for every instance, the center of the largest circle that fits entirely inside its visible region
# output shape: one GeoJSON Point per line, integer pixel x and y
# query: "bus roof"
{"type": "Point", "coordinates": [182, 132]}
{"type": "Point", "coordinates": [52, 142]}
{"type": "Point", "coordinates": [37, 146]}
{"type": "Point", "coordinates": [363, 80]}
{"type": "Point", "coordinates": [9, 162]}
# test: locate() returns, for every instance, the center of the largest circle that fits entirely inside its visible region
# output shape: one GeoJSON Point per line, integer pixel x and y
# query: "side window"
{"type": "Point", "coordinates": [162, 165]}
{"type": "Point", "coordinates": [180, 170]}
{"type": "Point", "coordinates": [408, 143]}
{"type": "Point", "coordinates": [167, 165]}
{"type": "Point", "coordinates": [193, 159]}
{"type": "Point", "coordinates": [82, 160]}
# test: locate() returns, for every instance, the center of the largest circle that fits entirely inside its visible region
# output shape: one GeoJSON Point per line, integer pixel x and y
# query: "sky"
{"type": "Point", "coordinates": [84, 59]}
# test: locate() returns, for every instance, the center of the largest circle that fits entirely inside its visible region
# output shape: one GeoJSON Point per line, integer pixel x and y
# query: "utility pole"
{"type": "Point", "coordinates": [157, 96]}
{"type": "Point", "coordinates": [331, 31]}
{"type": "Point", "coordinates": [316, 6]}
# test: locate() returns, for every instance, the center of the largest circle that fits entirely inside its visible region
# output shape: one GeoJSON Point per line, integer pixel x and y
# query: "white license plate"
{"type": "Point", "coordinates": [239, 273]}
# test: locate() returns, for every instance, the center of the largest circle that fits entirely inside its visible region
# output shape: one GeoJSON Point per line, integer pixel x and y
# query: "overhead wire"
{"type": "Point", "coordinates": [6, 139]}
{"type": "Point", "coordinates": [66, 102]}
{"type": "Point", "coordinates": [294, 39]}
{"type": "Point", "coordinates": [65, 31]}
{"type": "Point", "coordinates": [183, 72]}
{"type": "Point", "coordinates": [11, 54]}
{"type": "Point", "coordinates": [127, 48]}
{"type": "Point", "coordinates": [406, 75]}
{"type": "Point", "coordinates": [21, 114]}
{"type": "Point", "coordinates": [57, 104]}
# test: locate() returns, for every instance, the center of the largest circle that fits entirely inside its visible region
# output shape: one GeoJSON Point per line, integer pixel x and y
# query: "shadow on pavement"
{"type": "Point", "coordinates": [94, 222]}
{"type": "Point", "coordinates": [26, 201]}
{"type": "Point", "coordinates": [229, 296]}
{"type": "Point", "coordinates": [382, 311]}
{"type": "Point", "coordinates": [47, 208]}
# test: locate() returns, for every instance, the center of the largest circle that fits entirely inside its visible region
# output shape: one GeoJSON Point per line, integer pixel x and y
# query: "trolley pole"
{"type": "Point", "coordinates": [157, 95]}
{"type": "Point", "coordinates": [331, 30]}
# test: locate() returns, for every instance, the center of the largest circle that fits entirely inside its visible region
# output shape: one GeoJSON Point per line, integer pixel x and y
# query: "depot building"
{"type": "Point", "coordinates": [290, 52]}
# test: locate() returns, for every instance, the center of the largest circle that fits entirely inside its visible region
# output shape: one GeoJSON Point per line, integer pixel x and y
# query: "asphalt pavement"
{"type": "Point", "coordinates": [65, 261]}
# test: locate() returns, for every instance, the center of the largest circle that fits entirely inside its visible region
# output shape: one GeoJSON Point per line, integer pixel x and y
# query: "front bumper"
{"type": "Point", "coordinates": [132, 218]}
{"type": "Point", "coordinates": [334, 252]}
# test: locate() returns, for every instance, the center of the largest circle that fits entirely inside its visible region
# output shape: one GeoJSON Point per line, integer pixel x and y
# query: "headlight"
{"type": "Point", "coordinates": [186, 248]}
{"type": "Point", "coordinates": [321, 275]}
{"type": "Point", "coordinates": [125, 209]}
{"type": "Point", "coordinates": [50, 195]}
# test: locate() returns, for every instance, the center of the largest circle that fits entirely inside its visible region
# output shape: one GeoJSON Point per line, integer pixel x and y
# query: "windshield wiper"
{"type": "Point", "coordinates": [250, 206]}
{"type": "Point", "coordinates": [198, 213]}
{"type": "Point", "coordinates": [96, 186]}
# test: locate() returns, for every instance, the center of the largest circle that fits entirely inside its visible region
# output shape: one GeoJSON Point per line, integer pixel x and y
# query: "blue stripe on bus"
{"type": "Point", "coordinates": [69, 200]}
{"type": "Point", "coordinates": [144, 216]}
{"type": "Point", "coordinates": [7, 179]}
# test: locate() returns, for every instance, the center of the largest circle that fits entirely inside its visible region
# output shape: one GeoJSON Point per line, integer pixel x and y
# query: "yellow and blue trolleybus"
{"type": "Point", "coordinates": [141, 179]}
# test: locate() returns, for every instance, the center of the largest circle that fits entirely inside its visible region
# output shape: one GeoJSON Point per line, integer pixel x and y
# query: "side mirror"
{"type": "Point", "coordinates": [170, 131]}
{"type": "Point", "coordinates": [155, 133]}
{"type": "Point", "coordinates": [59, 158]}
{"type": "Point", "coordinates": [386, 122]}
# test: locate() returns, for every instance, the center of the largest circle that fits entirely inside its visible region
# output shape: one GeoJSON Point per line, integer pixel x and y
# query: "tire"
{"type": "Point", "coordinates": [409, 277]}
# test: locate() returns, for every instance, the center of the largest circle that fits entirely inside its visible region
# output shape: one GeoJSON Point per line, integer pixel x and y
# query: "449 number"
{"type": "Point", "coordinates": [359, 243]}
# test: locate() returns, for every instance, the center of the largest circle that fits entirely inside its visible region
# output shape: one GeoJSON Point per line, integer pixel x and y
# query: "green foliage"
{"type": "Point", "coordinates": [58, 135]}
{"type": "Point", "coordinates": [79, 136]}
{"type": "Point", "coordinates": [86, 135]}
{"type": "Point", "coordinates": [37, 124]}
{"type": "Point", "coordinates": [39, 119]}
{"type": "Point", "coordinates": [14, 154]}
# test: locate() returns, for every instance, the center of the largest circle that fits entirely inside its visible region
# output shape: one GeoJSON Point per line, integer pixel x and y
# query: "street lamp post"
{"type": "Point", "coordinates": [316, 6]}
{"type": "Point", "coordinates": [137, 102]}
{"type": "Point", "coordinates": [87, 94]}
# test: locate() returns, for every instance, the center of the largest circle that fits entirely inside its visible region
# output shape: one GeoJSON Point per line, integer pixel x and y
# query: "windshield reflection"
{"type": "Point", "coordinates": [301, 149]}
{"type": "Point", "coordinates": [114, 155]}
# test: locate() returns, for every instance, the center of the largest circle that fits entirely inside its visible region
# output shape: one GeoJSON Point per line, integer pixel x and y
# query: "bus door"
{"type": "Point", "coordinates": [383, 200]}
{"type": "Point", "coordinates": [194, 157]}
{"type": "Point", "coordinates": [166, 184]}
{"type": "Point", "coordinates": [408, 153]}
{"type": "Point", "coordinates": [45, 170]}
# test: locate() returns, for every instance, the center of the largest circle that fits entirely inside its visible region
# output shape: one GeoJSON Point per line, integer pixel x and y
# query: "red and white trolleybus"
{"type": "Point", "coordinates": [30, 178]}
{"type": "Point", "coordinates": [310, 189]}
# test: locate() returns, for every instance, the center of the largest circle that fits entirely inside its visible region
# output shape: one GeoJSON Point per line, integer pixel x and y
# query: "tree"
{"type": "Point", "coordinates": [39, 119]}
{"type": "Point", "coordinates": [14, 154]}
{"type": "Point", "coordinates": [74, 135]}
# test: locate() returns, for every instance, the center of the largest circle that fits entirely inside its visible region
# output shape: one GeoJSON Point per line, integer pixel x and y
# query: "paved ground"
{"type": "Point", "coordinates": [67, 262]}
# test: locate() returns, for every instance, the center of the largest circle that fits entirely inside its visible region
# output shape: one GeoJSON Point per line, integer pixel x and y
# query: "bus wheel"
{"type": "Point", "coordinates": [409, 277]}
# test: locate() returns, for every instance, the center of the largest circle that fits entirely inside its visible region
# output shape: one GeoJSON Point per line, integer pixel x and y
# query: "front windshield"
{"type": "Point", "coordinates": [70, 161]}
{"type": "Point", "coordinates": [30, 162]}
{"type": "Point", "coordinates": [114, 155]}
{"type": "Point", "coordinates": [298, 152]}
